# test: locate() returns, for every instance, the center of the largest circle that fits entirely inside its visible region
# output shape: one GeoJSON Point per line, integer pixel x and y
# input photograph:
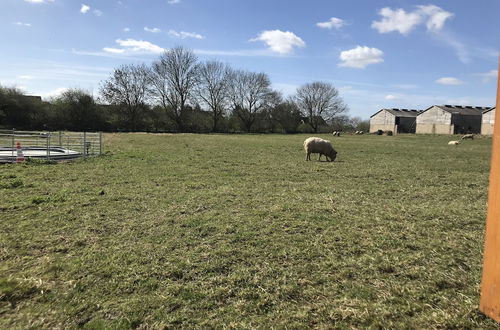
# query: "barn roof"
{"type": "Point", "coordinates": [400, 112]}
{"type": "Point", "coordinates": [463, 110]}
{"type": "Point", "coordinates": [488, 110]}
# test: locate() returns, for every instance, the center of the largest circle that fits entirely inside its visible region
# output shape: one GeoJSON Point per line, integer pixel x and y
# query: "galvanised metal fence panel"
{"type": "Point", "coordinates": [49, 145]}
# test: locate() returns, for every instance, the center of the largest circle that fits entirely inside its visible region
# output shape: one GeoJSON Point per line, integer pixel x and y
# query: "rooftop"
{"type": "Point", "coordinates": [463, 109]}
{"type": "Point", "coordinates": [401, 112]}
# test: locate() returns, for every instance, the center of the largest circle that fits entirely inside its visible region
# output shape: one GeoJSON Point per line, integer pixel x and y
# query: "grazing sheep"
{"type": "Point", "coordinates": [468, 137]}
{"type": "Point", "coordinates": [316, 145]}
{"type": "Point", "coordinates": [336, 133]}
{"type": "Point", "coordinates": [359, 132]}
{"type": "Point", "coordinates": [453, 143]}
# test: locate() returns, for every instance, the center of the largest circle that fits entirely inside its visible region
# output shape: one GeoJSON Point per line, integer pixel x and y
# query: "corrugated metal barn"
{"type": "Point", "coordinates": [450, 119]}
{"type": "Point", "coordinates": [395, 120]}
{"type": "Point", "coordinates": [488, 121]}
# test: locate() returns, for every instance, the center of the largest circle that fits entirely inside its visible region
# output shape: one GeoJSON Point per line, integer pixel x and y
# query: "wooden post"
{"type": "Point", "coordinates": [490, 285]}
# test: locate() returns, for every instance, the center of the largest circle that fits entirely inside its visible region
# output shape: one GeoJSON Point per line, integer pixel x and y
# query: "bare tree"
{"type": "Point", "coordinates": [319, 101]}
{"type": "Point", "coordinates": [127, 88]}
{"type": "Point", "coordinates": [211, 89]}
{"type": "Point", "coordinates": [173, 78]}
{"type": "Point", "coordinates": [249, 93]}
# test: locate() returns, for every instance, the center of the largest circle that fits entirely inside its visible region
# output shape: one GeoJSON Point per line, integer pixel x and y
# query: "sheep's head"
{"type": "Point", "coordinates": [333, 155]}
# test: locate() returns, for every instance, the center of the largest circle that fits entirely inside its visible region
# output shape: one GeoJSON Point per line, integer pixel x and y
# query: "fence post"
{"type": "Point", "coordinates": [13, 142]}
{"type": "Point", "coordinates": [490, 284]}
{"type": "Point", "coordinates": [48, 146]}
{"type": "Point", "coordinates": [60, 139]}
{"type": "Point", "coordinates": [84, 144]}
{"type": "Point", "coordinates": [100, 143]}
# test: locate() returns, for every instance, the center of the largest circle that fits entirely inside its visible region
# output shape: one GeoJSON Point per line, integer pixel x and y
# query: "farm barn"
{"type": "Point", "coordinates": [488, 121]}
{"type": "Point", "coordinates": [396, 120]}
{"type": "Point", "coordinates": [450, 119]}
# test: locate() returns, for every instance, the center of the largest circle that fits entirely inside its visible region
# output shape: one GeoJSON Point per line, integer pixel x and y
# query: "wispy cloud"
{"type": "Point", "coordinates": [152, 30]}
{"type": "Point", "coordinates": [334, 22]}
{"type": "Point", "coordinates": [405, 86]}
{"type": "Point", "coordinates": [173, 2]}
{"type": "Point", "coordinates": [134, 47]}
{"type": "Point", "coordinates": [184, 35]}
{"type": "Point", "coordinates": [22, 24]}
{"type": "Point", "coordinates": [238, 53]}
{"type": "Point", "coordinates": [360, 57]}
{"type": "Point", "coordinates": [97, 12]}
{"type": "Point", "coordinates": [449, 81]}
{"type": "Point", "coordinates": [488, 76]}
{"type": "Point", "coordinates": [126, 29]}
{"type": "Point", "coordinates": [39, 1]}
{"type": "Point", "coordinates": [281, 42]}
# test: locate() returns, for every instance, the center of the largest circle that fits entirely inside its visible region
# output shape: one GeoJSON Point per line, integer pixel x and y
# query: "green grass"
{"type": "Point", "coordinates": [238, 231]}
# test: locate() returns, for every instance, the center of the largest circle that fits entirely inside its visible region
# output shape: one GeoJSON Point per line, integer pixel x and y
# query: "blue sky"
{"type": "Point", "coordinates": [396, 54]}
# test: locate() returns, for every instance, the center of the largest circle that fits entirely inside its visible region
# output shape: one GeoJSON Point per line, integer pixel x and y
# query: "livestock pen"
{"type": "Point", "coordinates": [54, 146]}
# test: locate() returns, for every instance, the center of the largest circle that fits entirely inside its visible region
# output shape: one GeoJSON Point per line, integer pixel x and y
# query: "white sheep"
{"type": "Point", "coordinates": [316, 145]}
{"type": "Point", "coordinates": [468, 137]}
{"type": "Point", "coordinates": [336, 133]}
{"type": "Point", "coordinates": [453, 143]}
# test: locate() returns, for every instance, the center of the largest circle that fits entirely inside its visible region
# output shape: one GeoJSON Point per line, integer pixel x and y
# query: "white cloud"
{"type": "Point", "coordinates": [26, 77]}
{"type": "Point", "coordinates": [391, 97]}
{"type": "Point", "coordinates": [488, 76]}
{"type": "Point", "coordinates": [23, 24]}
{"type": "Point", "coordinates": [97, 12]}
{"type": "Point", "coordinates": [279, 41]}
{"type": "Point", "coordinates": [126, 29]}
{"type": "Point", "coordinates": [173, 2]}
{"type": "Point", "coordinates": [114, 50]}
{"type": "Point", "coordinates": [152, 30]}
{"type": "Point", "coordinates": [360, 57]}
{"type": "Point", "coordinates": [403, 22]}
{"type": "Point", "coordinates": [184, 35]}
{"type": "Point", "coordinates": [285, 88]}
{"type": "Point", "coordinates": [54, 93]}
{"type": "Point", "coordinates": [134, 46]}
{"type": "Point", "coordinates": [436, 17]}
{"type": "Point", "coordinates": [449, 81]}
{"type": "Point", "coordinates": [334, 22]}
{"type": "Point", "coordinates": [396, 20]}
{"type": "Point", "coordinates": [39, 1]}
{"type": "Point", "coordinates": [84, 9]}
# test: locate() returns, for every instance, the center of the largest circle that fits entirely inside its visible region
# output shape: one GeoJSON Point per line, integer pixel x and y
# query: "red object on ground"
{"type": "Point", "coordinates": [20, 156]}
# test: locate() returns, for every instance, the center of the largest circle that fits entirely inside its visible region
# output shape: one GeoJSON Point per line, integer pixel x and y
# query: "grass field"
{"type": "Point", "coordinates": [238, 231]}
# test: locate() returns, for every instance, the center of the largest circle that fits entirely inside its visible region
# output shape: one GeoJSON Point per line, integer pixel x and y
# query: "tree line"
{"type": "Point", "coordinates": [178, 93]}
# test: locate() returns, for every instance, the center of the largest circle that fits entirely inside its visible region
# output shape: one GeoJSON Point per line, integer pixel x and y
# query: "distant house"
{"type": "Point", "coordinates": [488, 121]}
{"type": "Point", "coordinates": [396, 120]}
{"type": "Point", "coordinates": [450, 119]}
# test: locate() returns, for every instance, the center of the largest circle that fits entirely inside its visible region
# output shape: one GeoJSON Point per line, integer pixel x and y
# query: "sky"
{"type": "Point", "coordinates": [378, 54]}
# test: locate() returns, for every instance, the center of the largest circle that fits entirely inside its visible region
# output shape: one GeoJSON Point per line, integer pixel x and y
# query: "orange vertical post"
{"type": "Point", "coordinates": [490, 284]}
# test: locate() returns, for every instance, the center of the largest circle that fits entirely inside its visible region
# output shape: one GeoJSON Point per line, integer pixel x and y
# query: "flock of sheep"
{"type": "Point", "coordinates": [316, 145]}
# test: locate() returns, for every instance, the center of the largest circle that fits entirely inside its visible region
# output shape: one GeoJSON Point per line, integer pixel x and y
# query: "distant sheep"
{"type": "Point", "coordinates": [316, 145]}
{"type": "Point", "coordinates": [468, 137]}
{"type": "Point", "coordinates": [454, 143]}
{"type": "Point", "coordinates": [388, 133]}
{"type": "Point", "coordinates": [359, 132]}
{"type": "Point", "coordinates": [336, 133]}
